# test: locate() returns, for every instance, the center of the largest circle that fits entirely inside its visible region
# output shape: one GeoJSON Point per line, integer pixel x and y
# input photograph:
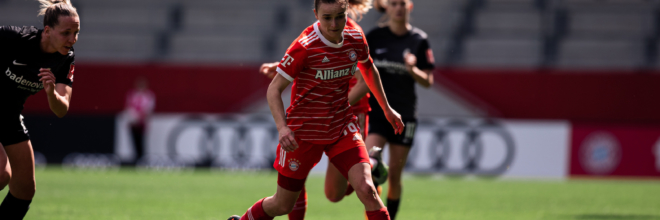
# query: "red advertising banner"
{"type": "Point", "coordinates": [100, 89]}
{"type": "Point", "coordinates": [615, 150]}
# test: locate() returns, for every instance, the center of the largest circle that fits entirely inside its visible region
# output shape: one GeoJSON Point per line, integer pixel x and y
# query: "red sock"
{"type": "Point", "coordinates": [256, 212]}
{"type": "Point", "coordinates": [380, 214]}
{"type": "Point", "coordinates": [300, 208]}
{"type": "Point", "coordinates": [349, 189]}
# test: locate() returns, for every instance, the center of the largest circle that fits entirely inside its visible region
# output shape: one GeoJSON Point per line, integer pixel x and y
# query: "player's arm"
{"type": "Point", "coordinates": [422, 77]}
{"type": "Point", "coordinates": [372, 79]}
{"type": "Point", "coordinates": [420, 65]}
{"type": "Point", "coordinates": [59, 94]}
{"type": "Point", "coordinates": [359, 90]}
{"type": "Point", "coordinates": [274, 96]}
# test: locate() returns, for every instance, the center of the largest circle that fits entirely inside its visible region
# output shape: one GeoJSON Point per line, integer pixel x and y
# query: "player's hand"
{"type": "Point", "coordinates": [47, 79]}
{"type": "Point", "coordinates": [410, 60]}
{"type": "Point", "coordinates": [395, 120]}
{"type": "Point", "coordinates": [287, 141]}
{"type": "Point", "coordinates": [269, 69]}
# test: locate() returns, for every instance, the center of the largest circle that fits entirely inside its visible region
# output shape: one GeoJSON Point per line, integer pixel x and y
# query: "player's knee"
{"type": "Point", "coordinates": [394, 179]}
{"type": "Point", "coordinates": [366, 188]}
{"type": "Point", "coordinates": [334, 197]}
{"type": "Point", "coordinates": [28, 190]}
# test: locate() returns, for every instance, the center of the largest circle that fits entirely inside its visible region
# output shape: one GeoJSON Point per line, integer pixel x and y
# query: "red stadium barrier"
{"type": "Point", "coordinates": [615, 150]}
{"type": "Point", "coordinates": [515, 94]}
{"type": "Point", "coordinates": [603, 96]}
{"type": "Point", "coordinates": [101, 88]}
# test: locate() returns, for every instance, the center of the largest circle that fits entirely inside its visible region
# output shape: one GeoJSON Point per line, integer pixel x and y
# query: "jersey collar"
{"type": "Point", "coordinates": [326, 41]}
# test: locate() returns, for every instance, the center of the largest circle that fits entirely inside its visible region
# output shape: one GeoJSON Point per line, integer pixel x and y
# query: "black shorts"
{"type": "Point", "coordinates": [12, 130]}
{"type": "Point", "coordinates": [380, 125]}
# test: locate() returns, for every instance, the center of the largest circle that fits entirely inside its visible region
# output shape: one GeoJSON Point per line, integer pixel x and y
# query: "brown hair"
{"type": "Point", "coordinates": [318, 2]}
{"type": "Point", "coordinates": [359, 8]}
{"type": "Point", "coordinates": [53, 9]}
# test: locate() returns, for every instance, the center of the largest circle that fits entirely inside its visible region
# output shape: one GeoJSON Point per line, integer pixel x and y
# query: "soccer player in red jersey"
{"type": "Point", "coordinates": [358, 98]}
{"type": "Point", "coordinates": [320, 63]}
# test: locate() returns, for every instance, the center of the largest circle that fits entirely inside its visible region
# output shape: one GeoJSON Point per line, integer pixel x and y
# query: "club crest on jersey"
{"type": "Point", "coordinates": [334, 74]}
{"type": "Point", "coordinates": [294, 165]}
{"type": "Point", "coordinates": [353, 55]}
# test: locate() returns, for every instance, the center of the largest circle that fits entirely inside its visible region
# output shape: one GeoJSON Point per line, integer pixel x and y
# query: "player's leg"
{"type": "Point", "coordinates": [281, 203]}
{"type": "Point", "coordinates": [268, 208]}
{"type": "Point", "coordinates": [22, 184]}
{"type": "Point", "coordinates": [300, 208]}
{"type": "Point", "coordinates": [360, 177]}
{"type": "Point", "coordinates": [363, 122]}
{"type": "Point", "coordinates": [137, 135]}
{"type": "Point", "coordinates": [379, 132]}
{"type": "Point", "coordinates": [5, 168]}
{"type": "Point", "coordinates": [350, 157]}
{"type": "Point", "coordinates": [335, 184]}
{"type": "Point", "coordinates": [354, 164]}
{"type": "Point", "coordinates": [398, 158]}
{"type": "Point", "coordinates": [293, 168]}
{"type": "Point", "coordinates": [399, 148]}
{"type": "Point", "coordinates": [377, 140]}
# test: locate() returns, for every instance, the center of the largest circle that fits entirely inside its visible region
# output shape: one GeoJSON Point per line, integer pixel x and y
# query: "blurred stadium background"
{"type": "Point", "coordinates": [551, 89]}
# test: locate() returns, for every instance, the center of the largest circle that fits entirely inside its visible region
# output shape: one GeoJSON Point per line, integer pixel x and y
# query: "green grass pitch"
{"type": "Point", "coordinates": [212, 194]}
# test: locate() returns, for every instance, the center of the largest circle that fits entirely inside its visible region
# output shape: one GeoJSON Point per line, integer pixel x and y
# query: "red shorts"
{"type": "Point", "coordinates": [346, 152]}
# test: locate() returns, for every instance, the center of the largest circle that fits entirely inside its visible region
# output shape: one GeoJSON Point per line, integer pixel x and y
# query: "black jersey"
{"type": "Point", "coordinates": [387, 50]}
{"type": "Point", "coordinates": [21, 58]}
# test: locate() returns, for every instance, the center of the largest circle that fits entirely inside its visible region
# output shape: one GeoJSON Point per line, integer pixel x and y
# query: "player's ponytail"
{"type": "Point", "coordinates": [358, 8]}
{"type": "Point", "coordinates": [53, 9]}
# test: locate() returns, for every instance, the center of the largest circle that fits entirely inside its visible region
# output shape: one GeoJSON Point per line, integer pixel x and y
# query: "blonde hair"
{"type": "Point", "coordinates": [359, 8]}
{"type": "Point", "coordinates": [53, 9]}
{"type": "Point", "coordinates": [380, 5]}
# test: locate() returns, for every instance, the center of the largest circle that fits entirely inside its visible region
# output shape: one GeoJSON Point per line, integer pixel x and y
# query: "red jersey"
{"type": "Point", "coordinates": [361, 106]}
{"type": "Point", "coordinates": [320, 71]}
{"type": "Point", "coordinates": [139, 104]}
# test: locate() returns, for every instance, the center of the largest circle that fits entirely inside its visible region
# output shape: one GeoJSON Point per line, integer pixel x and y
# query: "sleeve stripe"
{"type": "Point", "coordinates": [286, 76]}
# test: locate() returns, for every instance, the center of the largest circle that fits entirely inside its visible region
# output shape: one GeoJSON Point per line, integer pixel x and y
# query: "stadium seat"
{"type": "Point", "coordinates": [194, 47]}
{"type": "Point", "coordinates": [523, 53]}
{"type": "Point", "coordinates": [116, 47]}
{"type": "Point", "coordinates": [604, 24]}
{"type": "Point", "coordinates": [513, 24]}
{"type": "Point", "coordinates": [600, 53]}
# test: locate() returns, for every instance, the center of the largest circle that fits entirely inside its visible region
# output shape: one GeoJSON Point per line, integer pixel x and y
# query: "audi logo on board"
{"type": "Point", "coordinates": [232, 142]}
{"type": "Point", "coordinates": [449, 146]}
{"type": "Point", "coordinates": [467, 143]}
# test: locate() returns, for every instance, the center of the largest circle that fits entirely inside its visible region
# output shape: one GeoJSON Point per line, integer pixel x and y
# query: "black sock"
{"type": "Point", "coordinates": [13, 208]}
{"type": "Point", "coordinates": [393, 207]}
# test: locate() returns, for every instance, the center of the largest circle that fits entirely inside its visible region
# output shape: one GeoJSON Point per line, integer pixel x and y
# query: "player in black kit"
{"type": "Point", "coordinates": [31, 60]}
{"type": "Point", "coordinates": [402, 54]}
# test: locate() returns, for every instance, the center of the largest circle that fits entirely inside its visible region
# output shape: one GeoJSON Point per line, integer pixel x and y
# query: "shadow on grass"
{"type": "Point", "coordinates": [615, 217]}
